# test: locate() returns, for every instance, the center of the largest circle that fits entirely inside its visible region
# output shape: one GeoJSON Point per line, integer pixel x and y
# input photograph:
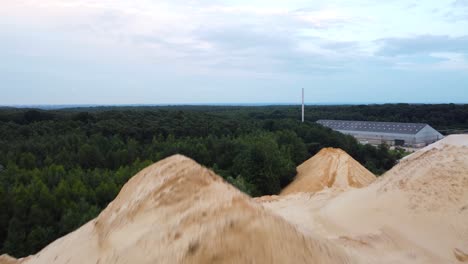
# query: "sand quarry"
{"type": "Point", "coordinates": [335, 211]}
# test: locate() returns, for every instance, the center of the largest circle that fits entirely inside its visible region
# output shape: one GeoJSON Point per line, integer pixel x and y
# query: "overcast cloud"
{"type": "Point", "coordinates": [208, 51]}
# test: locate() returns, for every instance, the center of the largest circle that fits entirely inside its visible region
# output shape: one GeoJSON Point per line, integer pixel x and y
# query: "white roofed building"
{"type": "Point", "coordinates": [394, 134]}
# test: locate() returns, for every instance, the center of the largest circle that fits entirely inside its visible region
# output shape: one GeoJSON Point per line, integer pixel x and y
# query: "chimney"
{"type": "Point", "coordinates": [302, 105]}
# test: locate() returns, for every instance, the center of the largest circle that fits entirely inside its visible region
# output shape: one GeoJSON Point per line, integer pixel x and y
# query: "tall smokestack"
{"type": "Point", "coordinates": [302, 105]}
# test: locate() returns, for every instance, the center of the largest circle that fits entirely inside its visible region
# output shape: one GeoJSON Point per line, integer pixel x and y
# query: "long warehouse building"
{"type": "Point", "coordinates": [414, 135]}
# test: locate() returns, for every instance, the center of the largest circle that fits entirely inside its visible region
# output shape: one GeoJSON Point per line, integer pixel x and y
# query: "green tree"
{"type": "Point", "coordinates": [27, 160]}
{"type": "Point", "coordinates": [89, 156]}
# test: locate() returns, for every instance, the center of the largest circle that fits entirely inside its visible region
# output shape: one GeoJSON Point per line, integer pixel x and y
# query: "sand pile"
{"type": "Point", "coordinates": [330, 168]}
{"type": "Point", "coordinates": [5, 259]}
{"type": "Point", "coordinates": [176, 211]}
{"type": "Point", "coordinates": [453, 140]}
{"type": "Point", "coordinates": [415, 213]}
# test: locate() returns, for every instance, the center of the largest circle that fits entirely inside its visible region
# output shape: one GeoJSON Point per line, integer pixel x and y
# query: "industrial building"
{"type": "Point", "coordinates": [415, 135]}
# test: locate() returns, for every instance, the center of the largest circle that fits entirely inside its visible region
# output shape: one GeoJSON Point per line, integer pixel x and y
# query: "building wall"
{"type": "Point", "coordinates": [428, 135]}
{"type": "Point", "coordinates": [376, 138]}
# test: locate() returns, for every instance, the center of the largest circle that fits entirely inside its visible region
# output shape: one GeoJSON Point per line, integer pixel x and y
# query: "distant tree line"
{"type": "Point", "coordinates": [447, 118]}
{"type": "Point", "coordinates": [60, 168]}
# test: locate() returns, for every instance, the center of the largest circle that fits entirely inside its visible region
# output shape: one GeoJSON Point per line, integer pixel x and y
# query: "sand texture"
{"type": "Point", "coordinates": [176, 211]}
{"type": "Point", "coordinates": [416, 213]}
{"type": "Point", "coordinates": [335, 211]}
{"type": "Point", "coordinates": [330, 168]}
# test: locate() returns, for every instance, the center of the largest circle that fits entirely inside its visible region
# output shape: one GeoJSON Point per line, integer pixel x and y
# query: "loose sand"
{"type": "Point", "coordinates": [416, 213]}
{"type": "Point", "coordinates": [176, 211]}
{"type": "Point", "coordinates": [330, 168]}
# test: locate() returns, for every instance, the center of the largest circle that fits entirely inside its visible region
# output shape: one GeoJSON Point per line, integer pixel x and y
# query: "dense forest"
{"type": "Point", "coordinates": [60, 168]}
{"type": "Point", "coordinates": [447, 118]}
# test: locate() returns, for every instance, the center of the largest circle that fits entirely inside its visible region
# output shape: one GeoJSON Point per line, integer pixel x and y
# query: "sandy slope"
{"type": "Point", "coordinates": [453, 140]}
{"type": "Point", "coordinates": [415, 213]}
{"type": "Point", "coordinates": [330, 168]}
{"type": "Point", "coordinates": [176, 211]}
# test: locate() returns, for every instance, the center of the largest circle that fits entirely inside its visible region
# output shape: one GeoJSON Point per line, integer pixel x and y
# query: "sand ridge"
{"type": "Point", "coordinates": [415, 213]}
{"type": "Point", "coordinates": [177, 211]}
{"type": "Point", "coordinates": [330, 168]}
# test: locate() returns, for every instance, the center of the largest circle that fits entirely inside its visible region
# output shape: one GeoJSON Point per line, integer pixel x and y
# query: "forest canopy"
{"type": "Point", "coordinates": [60, 168]}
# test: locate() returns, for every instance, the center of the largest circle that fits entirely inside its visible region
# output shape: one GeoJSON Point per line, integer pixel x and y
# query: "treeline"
{"type": "Point", "coordinates": [448, 118]}
{"type": "Point", "coordinates": [59, 169]}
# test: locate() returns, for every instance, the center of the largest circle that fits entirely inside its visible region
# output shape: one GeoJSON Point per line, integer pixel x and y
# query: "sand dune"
{"type": "Point", "coordinates": [176, 211]}
{"type": "Point", "coordinates": [5, 259]}
{"type": "Point", "coordinates": [416, 213]}
{"type": "Point", "coordinates": [453, 140]}
{"type": "Point", "coordinates": [330, 168]}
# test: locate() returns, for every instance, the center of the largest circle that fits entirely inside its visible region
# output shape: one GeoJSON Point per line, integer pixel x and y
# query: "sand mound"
{"type": "Point", "coordinates": [329, 168]}
{"type": "Point", "coordinates": [452, 140]}
{"type": "Point", "coordinates": [5, 259]}
{"type": "Point", "coordinates": [416, 213]}
{"type": "Point", "coordinates": [176, 211]}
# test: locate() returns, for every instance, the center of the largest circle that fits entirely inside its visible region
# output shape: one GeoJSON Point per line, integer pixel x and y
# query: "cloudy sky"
{"type": "Point", "coordinates": [209, 51]}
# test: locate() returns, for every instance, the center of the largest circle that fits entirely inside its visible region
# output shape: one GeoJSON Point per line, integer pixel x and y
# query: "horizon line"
{"type": "Point", "coordinates": [64, 106]}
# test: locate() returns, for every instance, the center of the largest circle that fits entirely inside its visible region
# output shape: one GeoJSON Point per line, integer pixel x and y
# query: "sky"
{"type": "Point", "coordinates": [225, 52]}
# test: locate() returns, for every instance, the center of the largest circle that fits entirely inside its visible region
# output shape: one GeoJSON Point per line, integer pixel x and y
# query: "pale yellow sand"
{"type": "Point", "coordinates": [175, 211]}
{"type": "Point", "coordinates": [178, 212]}
{"type": "Point", "coordinates": [330, 168]}
{"type": "Point", "coordinates": [415, 213]}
